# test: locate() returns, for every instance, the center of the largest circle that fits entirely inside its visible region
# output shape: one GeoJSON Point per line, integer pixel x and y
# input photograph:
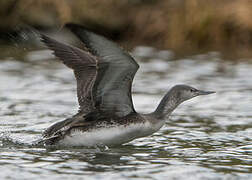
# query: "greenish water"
{"type": "Point", "coordinates": [207, 137]}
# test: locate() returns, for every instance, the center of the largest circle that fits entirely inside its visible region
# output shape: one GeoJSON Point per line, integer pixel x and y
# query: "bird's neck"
{"type": "Point", "coordinates": [166, 106]}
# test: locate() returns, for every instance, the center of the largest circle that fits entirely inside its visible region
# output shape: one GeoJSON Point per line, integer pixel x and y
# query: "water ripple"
{"type": "Point", "coordinates": [206, 138]}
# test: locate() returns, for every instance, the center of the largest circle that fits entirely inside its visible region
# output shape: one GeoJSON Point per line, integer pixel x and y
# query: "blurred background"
{"type": "Point", "coordinates": [184, 26]}
{"type": "Point", "coordinates": [203, 43]}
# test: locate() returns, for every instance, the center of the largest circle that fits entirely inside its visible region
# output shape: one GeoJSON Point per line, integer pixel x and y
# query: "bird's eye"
{"type": "Point", "coordinates": [192, 90]}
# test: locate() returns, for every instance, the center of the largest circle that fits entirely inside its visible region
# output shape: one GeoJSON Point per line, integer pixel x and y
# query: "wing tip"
{"type": "Point", "coordinates": [49, 42]}
{"type": "Point", "coordinates": [43, 38]}
{"type": "Point", "coordinates": [77, 29]}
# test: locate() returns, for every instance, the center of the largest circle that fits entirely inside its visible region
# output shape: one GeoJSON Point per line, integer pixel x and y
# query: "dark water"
{"type": "Point", "coordinates": [208, 137]}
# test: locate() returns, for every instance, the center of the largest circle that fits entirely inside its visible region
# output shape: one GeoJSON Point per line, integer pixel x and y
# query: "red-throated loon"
{"type": "Point", "coordinates": [104, 74]}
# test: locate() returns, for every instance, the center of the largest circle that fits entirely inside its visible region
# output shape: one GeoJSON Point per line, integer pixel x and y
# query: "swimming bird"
{"type": "Point", "coordinates": [104, 73]}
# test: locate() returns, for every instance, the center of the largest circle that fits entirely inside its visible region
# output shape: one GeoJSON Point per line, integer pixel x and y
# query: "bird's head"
{"type": "Point", "coordinates": [176, 96]}
{"type": "Point", "coordinates": [185, 92]}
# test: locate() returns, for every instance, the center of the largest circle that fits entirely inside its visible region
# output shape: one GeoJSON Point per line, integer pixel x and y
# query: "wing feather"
{"type": "Point", "coordinates": [116, 70]}
{"type": "Point", "coordinates": [84, 66]}
{"type": "Point", "coordinates": [104, 72]}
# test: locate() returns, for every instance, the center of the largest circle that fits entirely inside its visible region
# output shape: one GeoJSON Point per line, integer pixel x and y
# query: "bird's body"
{"type": "Point", "coordinates": [104, 74]}
{"type": "Point", "coordinates": [111, 133]}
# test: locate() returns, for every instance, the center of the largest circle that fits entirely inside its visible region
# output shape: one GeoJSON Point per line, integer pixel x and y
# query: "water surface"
{"type": "Point", "coordinates": [206, 138]}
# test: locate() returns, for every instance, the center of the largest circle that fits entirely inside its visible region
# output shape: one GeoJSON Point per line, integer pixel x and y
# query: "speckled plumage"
{"type": "Point", "coordinates": [104, 74]}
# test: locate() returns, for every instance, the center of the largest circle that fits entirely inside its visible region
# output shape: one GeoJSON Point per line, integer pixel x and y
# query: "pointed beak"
{"type": "Point", "coordinates": [200, 92]}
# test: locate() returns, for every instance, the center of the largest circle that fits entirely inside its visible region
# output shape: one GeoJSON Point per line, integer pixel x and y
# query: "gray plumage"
{"type": "Point", "coordinates": [104, 74]}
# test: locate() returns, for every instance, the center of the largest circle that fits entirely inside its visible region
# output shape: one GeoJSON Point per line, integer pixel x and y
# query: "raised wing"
{"type": "Point", "coordinates": [84, 66]}
{"type": "Point", "coordinates": [108, 90]}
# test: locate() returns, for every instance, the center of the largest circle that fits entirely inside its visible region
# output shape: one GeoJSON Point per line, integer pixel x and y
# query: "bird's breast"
{"type": "Point", "coordinates": [113, 135]}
